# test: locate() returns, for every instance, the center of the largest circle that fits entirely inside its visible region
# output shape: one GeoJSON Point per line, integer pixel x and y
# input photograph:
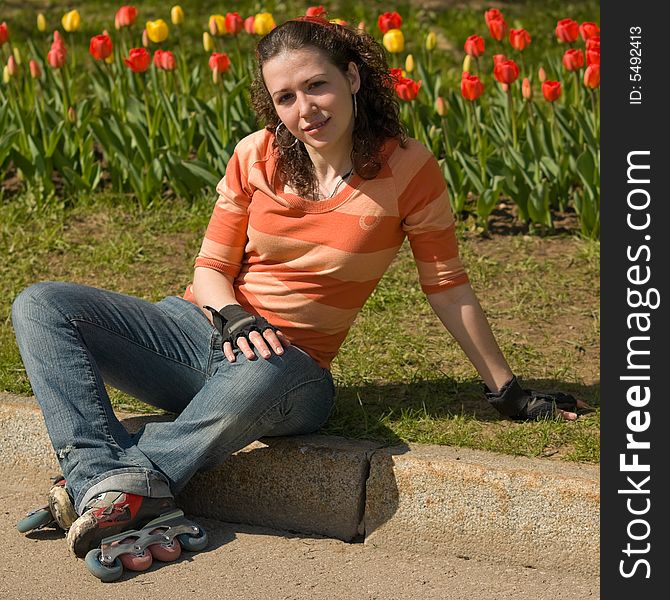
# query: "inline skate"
{"type": "Point", "coordinates": [59, 511]}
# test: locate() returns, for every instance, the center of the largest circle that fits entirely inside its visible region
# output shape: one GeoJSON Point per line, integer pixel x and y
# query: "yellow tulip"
{"type": "Point", "coordinates": [431, 41]}
{"type": "Point", "coordinates": [467, 63]}
{"type": "Point", "coordinates": [17, 55]}
{"type": "Point", "coordinates": [110, 59]}
{"type": "Point", "coordinates": [263, 23]}
{"type": "Point", "coordinates": [409, 63]}
{"type": "Point", "coordinates": [41, 23]}
{"type": "Point", "coordinates": [217, 25]}
{"type": "Point", "coordinates": [207, 42]}
{"type": "Point", "coordinates": [71, 21]}
{"type": "Point", "coordinates": [5, 74]}
{"type": "Point", "coordinates": [394, 41]}
{"type": "Point", "coordinates": [157, 31]}
{"type": "Point", "coordinates": [177, 15]}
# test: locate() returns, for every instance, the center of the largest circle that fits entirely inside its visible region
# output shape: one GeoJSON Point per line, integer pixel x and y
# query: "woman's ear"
{"type": "Point", "coordinates": [354, 77]}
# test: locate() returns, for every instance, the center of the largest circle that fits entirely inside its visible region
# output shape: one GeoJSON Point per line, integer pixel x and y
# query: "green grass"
{"type": "Point", "coordinates": [400, 375]}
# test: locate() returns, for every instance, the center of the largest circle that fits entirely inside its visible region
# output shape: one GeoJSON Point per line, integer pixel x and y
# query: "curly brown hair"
{"type": "Point", "coordinates": [377, 119]}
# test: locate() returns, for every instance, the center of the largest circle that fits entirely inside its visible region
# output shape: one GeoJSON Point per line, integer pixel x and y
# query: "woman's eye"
{"type": "Point", "coordinates": [316, 84]}
{"type": "Point", "coordinates": [283, 98]}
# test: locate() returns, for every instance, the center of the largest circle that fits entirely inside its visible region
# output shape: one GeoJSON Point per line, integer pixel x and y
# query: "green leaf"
{"type": "Point", "coordinates": [586, 168]}
{"type": "Point", "coordinates": [538, 205]}
{"type": "Point", "coordinates": [201, 171]}
{"type": "Point", "coordinates": [470, 167]}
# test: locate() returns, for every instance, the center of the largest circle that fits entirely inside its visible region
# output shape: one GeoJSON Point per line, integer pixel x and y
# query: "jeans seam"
{"type": "Point", "coordinates": [134, 342]}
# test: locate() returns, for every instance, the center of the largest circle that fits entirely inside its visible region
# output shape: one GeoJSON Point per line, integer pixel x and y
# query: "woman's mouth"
{"type": "Point", "coordinates": [316, 127]}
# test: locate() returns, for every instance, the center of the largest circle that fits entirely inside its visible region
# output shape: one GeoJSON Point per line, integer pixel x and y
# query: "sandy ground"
{"type": "Point", "coordinates": [245, 562]}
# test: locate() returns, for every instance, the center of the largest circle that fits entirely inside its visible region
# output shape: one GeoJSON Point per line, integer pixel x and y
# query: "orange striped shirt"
{"type": "Point", "coordinates": [308, 267]}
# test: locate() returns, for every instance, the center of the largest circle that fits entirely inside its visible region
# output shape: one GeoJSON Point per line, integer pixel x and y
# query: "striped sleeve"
{"type": "Point", "coordinates": [429, 224]}
{"type": "Point", "coordinates": [223, 246]}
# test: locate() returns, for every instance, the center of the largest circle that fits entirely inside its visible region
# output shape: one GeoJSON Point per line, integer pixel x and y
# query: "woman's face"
{"type": "Point", "coordinates": [312, 97]}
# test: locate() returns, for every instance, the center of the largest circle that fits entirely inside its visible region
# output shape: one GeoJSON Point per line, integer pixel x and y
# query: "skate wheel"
{"type": "Point", "coordinates": [193, 543]}
{"type": "Point", "coordinates": [136, 562]}
{"type": "Point", "coordinates": [35, 520]}
{"type": "Point", "coordinates": [166, 552]}
{"type": "Point", "coordinates": [103, 572]}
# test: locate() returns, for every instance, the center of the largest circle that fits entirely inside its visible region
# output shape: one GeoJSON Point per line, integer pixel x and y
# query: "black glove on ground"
{"type": "Point", "coordinates": [233, 321]}
{"type": "Point", "coordinates": [526, 405]}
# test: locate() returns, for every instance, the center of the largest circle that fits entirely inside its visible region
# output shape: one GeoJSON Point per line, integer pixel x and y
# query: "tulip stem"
{"type": "Point", "coordinates": [66, 92]}
{"type": "Point", "coordinates": [480, 141]}
{"type": "Point", "coordinates": [512, 116]}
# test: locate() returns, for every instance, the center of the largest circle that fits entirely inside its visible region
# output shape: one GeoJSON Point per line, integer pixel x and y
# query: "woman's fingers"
{"type": "Point", "coordinates": [270, 341]}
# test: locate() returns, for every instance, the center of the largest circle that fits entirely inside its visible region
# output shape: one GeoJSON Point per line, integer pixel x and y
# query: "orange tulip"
{"type": "Point", "coordinates": [471, 87]}
{"type": "Point", "coordinates": [474, 46]}
{"type": "Point", "coordinates": [249, 25]}
{"type": "Point", "coordinates": [526, 89]}
{"type": "Point", "coordinates": [551, 90]}
{"type": "Point", "coordinates": [519, 38]}
{"type": "Point", "coordinates": [567, 30]}
{"type": "Point", "coordinates": [12, 66]}
{"type": "Point", "coordinates": [57, 56]}
{"type": "Point", "coordinates": [592, 76]}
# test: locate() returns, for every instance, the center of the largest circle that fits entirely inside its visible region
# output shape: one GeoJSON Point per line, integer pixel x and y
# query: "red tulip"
{"type": "Point", "coordinates": [316, 11]}
{"type": "Point", "coordinates": [138, 60]}
{"type": "Point", "coordinates": [498, 58]}
{"type": "Point", "coordinates": [234, 23]}
{"type": "Point", "coordinates": [588, 30]}
{"type": "Point", "coordinates": [471, 87]}
{"type": "Point", "coordinates": [573, 59]}
{"type": "Point", "coordinates": [219, 61]}
{"type": "Point", "coordinates": [100, 47]}
{"type": "Point", "coordinates": [4, 33]}
{"type": "Point", "coordinates": [249, 24]}
{"type": "Point", "coordinates": [567, 30]}
{"type": "Point", "coordinates": [593, 50]}
{"type": "Point", "coordinates": [389, 20]}
{"type": "Point", "coordinates": [497, 28]}
{"type": "Point", "coordinates": [474, 45]}
{"type": "Point", "coordinates": [506, 71]}
{"type": "Point", "coordinates": [592, 76]}
{"type": "Point", "coordinates": [35, 71]}
{"type": "Point", "coordinates": [519, 38]}
{"type": "Point", "coordinates": [125, 16]}
{"type": "Point", "coordinates": [551, 90]}
{"type": "Point", "coordinates": [492, 14]}
{"type": "Point", "coordinates": [164, 60]}
{"type": "Point", "coordinates": [405, 88]}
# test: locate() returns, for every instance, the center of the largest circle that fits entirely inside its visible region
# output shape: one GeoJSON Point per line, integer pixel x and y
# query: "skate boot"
{"type": "Point", "coordinates": [120, 530]}
{"type": "Point", "coordinates": [59, 512]}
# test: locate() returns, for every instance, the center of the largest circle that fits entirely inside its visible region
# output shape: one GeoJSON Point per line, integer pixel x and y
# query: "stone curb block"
{"type": "Point", "coordinates": [311, 483]}
{"type": "Point", "coordinates": [427, 499]}
{"type": "Point", "coordinates": [516, 510]}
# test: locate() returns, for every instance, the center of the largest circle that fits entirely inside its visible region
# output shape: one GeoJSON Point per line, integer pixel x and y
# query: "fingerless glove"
{"type": "Point", "coordinates": [526, 405]}
{"type": "Point", "coordinates": [232, 321]}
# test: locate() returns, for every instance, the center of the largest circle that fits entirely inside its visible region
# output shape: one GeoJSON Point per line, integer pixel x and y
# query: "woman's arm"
{"type": "Point", "coordinates": [462, 315]}
{"type": "Point", "coordinates": [215, 289]}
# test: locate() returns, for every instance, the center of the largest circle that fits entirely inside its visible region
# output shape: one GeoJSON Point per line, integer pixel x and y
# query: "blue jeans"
{"type": "Point", "coordinates": [75, 339]}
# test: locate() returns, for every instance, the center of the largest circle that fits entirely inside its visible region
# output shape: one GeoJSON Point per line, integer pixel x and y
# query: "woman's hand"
{"type": "Point", "coordinates": [239, 327]}
{"type": "Point", "coordinates": [529, 405]}
{"type": "Point", "coordinates": [272, 340]}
